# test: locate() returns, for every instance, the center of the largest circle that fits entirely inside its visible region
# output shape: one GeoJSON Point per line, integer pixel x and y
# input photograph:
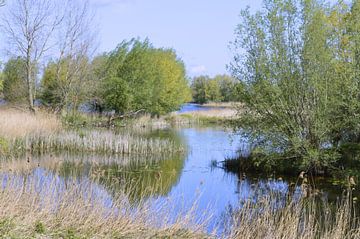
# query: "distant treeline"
{"type": "Point", "coordinates": [221, 88]}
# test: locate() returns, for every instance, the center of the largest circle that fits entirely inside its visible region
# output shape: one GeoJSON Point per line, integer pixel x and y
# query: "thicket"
{"type": "Point", "coordinates": [221, 88]}
{"type": "Point", "coordinates": [300, 65]}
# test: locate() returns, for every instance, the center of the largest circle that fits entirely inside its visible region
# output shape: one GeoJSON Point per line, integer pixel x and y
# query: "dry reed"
{"type": "Point", "coordinates": [30, 208]}
{"type": "Point", "coordinates": [18, 124]}
{"type": "Point", "coordinates": [100, 142]}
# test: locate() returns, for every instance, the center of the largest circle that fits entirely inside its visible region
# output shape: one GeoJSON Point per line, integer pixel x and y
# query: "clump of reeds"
{"type": "Point", "coordinates": [100, 142]}
{"type": "Point", "coordinates": [17, 124]}
{"type": "Point", "coordinates": [301, 214]}
{"type": "Point", "coordinates": [43, 208]}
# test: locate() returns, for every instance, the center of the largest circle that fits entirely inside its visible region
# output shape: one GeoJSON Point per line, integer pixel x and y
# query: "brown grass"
{"type": "Point", "coordinates": [306, 219]}
{"type": "Point", "coordinates": [78, 211]}
{"type": "Point", "coordinates": [223, 104]}
{"type": "Point", "coordinates": [226, 113]}
{"type": "Point", "coordinates": [18, 124]}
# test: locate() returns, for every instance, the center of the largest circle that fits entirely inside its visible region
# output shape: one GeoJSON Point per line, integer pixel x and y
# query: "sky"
{"type": "Point", "coordinates": [198, 30]}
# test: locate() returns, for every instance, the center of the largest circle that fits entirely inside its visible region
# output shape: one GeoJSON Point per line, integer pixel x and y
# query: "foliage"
{"type": "Point", "coordinates": [14, 82]}
{"type": "Point", "coordinates": [221, 88]}
{"type": "Point", "coordinates": [299, 63]}
{"type": "Point", "coordinates": [64, 83]}
{"type": "Point", "coordinates": [1, 82]}
{"type": "Point", "coordinates": [140, 76]}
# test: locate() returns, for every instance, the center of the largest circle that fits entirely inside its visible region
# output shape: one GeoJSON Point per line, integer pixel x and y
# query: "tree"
{"type": "Point", "coordinates": [221, 88]}
{"type": "Point", "coordinates": [198, 87]}
{"type": "Point", "coordinates": [29, 25]}
{"type": "Point", "coordinates": [1, 79]}
{"type": "Point", "coordinates": [213, 91]}
{"type": "Point", "coordinates": [140, 76]}
{"type": "Point", "coordinates": [64, 84]}
{"type": "Point", "coordinates": [228, 87]}
{"type": "Point", "coordinates": [284, 57]}
{"type": "Point", "coordinates": [14, 78]}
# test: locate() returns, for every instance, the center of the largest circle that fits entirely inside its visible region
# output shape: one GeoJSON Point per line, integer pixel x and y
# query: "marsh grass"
{"type": "Point", "coordinates": [100, 142]}
{"type": "Point", "coordinates": [33, 204]}
{"type": "Point", "coordinates": [30, 208]}
{"type": "Point", "coordinates": [305, 219]}
{"type": "Point", "coordinates": [18, 124]}
{"type": "Point", "coordinates": [22, 132]}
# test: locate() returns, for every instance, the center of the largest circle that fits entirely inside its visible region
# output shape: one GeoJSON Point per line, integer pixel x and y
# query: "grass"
{"type": "Point", "coordinates": [82, 210]}
{"type": "Point", "coordinates": [306, 219]}
{"type": "Point", "coordinates": [223, 104]}
{"type": "Point", "coordinates": [31, 207]}
{"type": "Point", "coordinates": [22, 132]}
{"type": "Point", "coordinates": [100, 142]}
{"type": "Point", "coordinates": [18, 124]}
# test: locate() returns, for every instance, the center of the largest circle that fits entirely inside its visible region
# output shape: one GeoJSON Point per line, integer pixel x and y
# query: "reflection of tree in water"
{"type": "Point", "coordinates": [138, 180]}
{"type": "Point", "coordinates": [141, 181]}
{"type": "Point", "coordinates": [141, 177]}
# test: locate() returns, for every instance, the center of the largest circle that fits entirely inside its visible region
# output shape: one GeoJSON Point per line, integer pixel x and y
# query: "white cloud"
{"type": "Point", "coordinates": [198, 69]}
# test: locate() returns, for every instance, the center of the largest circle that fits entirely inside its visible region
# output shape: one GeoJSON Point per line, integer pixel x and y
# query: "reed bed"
{"type": "Point", "coordinates": [100, 142]}
{"type": "Point", "coordinates": [37, 206]}
{"type": "Point", "coordinates": [305, 219]}
{"type": "Point", "coordinates": [34, 208]}
{"type": "Point", "coordinates": [18, 124]}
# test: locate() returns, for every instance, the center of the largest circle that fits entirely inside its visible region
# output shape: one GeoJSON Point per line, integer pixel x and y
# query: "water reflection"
{"type": "Point", "coordinates": [183, 177]}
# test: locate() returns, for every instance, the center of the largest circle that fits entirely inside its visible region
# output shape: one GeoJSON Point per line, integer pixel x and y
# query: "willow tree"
{"type": "Point", "coordinates": [142, 77]}
{"type": "Point", "coordinates": [284, 56]}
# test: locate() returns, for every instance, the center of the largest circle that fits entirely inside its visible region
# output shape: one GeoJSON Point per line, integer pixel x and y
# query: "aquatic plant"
{"type": "Point", "coordinates": [100, 142]}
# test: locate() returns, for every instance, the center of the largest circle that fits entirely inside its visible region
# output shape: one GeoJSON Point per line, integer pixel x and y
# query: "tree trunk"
{"type": "Point", "coordinates": [30, 95]}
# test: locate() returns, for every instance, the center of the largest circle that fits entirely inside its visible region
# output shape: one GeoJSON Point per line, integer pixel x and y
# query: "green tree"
{"type": "Point", "coordinates": [213, 91]}
{"type": "Point", "coordinates": [1, 81]}
{"type": "Point", "coordinates": [198, 87]}
{"type": "Point", "coordinates": [221, 88]}
{"type": "Point", "coordinates": [14, 82]}
{"type": "Point", "coordinates": [65, 83]}
{"type": "Point", "coordinates": [144, 77]}
{"type": "Point", "coordinates": [287, 66]}
{"type": "Point", "coordinates": [228, 87]}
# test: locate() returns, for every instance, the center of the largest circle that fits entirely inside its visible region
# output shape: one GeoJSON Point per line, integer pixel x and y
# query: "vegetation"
{"type": "Point", "coordinates": [295, 89]}
{"type": "Point", "coordinates": [221, 88]}
{"type": "Point", "coordinates": [14, 84]}
{"type": "Point", "coordinates": [299, 63]}
{"type": "Point", "coordinates": [68, 214]}
{"type": "Point", "coordinates": [140, 76]}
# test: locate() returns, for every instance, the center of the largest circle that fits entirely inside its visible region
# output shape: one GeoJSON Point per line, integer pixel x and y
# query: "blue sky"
{"type": "Point", "coordinates": [199, 30]}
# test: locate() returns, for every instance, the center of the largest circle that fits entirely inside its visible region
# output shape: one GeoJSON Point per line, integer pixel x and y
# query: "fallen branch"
{"type": "Point", "coordinates": [111, 118]}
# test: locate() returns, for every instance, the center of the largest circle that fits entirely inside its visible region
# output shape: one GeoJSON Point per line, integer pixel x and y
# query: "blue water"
{"type": "Point", "coordinates": [190, 107]}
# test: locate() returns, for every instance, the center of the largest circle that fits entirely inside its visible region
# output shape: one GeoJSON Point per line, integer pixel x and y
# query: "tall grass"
{"type": "Point", "coordinates": [18, 124]}
{"type": "Point", "coordinates": [41, 132]}
{"type": "Point", "coordinates": [32, 208]}
{"type": "Point", "coordinates": [305, 219]}
{"type": "Point", "coordinates": [100, 142]}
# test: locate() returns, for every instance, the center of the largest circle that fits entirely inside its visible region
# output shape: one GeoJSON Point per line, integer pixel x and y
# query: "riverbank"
{"type": "Point", "coordinates": [144, 183]}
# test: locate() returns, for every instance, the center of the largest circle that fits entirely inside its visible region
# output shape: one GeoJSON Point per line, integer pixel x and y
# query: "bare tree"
{"type": "Point", "coordinates": [76, 44]}
{"type": "Point", "coordinates": [29, 26]}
